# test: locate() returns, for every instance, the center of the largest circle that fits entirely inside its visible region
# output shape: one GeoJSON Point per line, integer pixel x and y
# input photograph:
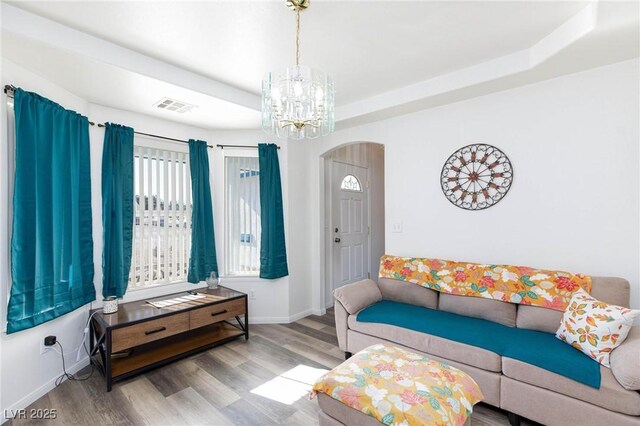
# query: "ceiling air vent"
{"type": "Point", "coordinates": [173, 105]}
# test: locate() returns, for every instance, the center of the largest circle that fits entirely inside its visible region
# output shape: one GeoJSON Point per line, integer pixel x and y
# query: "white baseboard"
{"type": "Point", "coordinates": [41, 391]}
{"type": "Point", "coordinates": [269, 320]}
{"type": "Point", "coordinates": [282, 320]}
{"type": "Point", "coordinates": [300, 315]}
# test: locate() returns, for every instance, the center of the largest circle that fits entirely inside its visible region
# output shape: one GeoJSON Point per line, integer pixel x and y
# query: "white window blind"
{"type": "Point", "coordinates": [242, 233]}
{"type": "Point", "coordinates": [162, 224]}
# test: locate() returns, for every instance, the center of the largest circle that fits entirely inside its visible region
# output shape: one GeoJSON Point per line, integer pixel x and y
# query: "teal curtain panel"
{"type": "Point", "coordinates": [117, 208]}
{"type": "Point", "coordinates": [273, 251]}
{"type": "Point", "coordinates": [52, 243]}
{"type": "Point", "coordinates": [203, 259]}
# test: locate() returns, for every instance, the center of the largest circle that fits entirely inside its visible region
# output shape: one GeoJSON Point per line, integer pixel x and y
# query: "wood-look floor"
{"type": "Point", "coordinates": [214, 387]}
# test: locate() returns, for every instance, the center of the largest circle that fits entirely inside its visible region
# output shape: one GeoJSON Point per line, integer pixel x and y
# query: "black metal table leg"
{"type": "Point", "coordinates": [246, 318]}
{"type": "Point", "coordinates": [107, 367]}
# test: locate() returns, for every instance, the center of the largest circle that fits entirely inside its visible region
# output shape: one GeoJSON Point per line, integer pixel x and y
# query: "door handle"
{"type": "Point", "coordinates": [337, 240]}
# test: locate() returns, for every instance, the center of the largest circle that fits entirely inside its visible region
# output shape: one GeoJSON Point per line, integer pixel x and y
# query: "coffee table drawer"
{"type": "Point", "coordinates": [145, 332]}
{"type": "Point", "coordinates": [216, 313]}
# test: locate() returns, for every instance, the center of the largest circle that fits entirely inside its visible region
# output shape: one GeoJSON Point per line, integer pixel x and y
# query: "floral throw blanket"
{"type": "Point", "coordinates": [401, 388]}
{"type": "Point", "coordinates": [514, 284]}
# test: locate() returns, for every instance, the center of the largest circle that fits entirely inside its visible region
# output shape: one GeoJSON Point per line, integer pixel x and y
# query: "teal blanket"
{"type": "Point", "coordinates": [541, 349]}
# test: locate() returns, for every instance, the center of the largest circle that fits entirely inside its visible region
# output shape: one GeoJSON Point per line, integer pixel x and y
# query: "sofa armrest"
{"type": "Point", "coordinates": [351, 299]}
{"type": "Point", "coordinates": [342, 325]}
{"type": "Point", "coordinates": [357, 296]}
{"type": "Point", "coordinates": [625, 361]}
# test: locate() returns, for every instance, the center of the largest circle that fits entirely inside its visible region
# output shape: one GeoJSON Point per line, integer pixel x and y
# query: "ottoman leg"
{"type": "Point", "coordinates": [347, 355]}
{"type": "Point", "coordinates": [514, 419]}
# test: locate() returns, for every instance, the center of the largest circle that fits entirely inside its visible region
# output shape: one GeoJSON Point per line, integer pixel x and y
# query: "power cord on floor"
{"type": "Point", "coordinates": [83, 345]}
{"type": "Point", "coordinates": [68, 376]}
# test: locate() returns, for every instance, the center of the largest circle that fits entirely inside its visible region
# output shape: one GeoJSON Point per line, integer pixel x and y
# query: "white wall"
{"type": "Point", "coordinates": [299, 234]}
{"type": "Point", "coordinates": [574, 202]}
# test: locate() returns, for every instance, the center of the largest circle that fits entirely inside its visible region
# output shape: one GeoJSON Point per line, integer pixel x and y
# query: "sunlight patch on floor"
{"type": "Point", "coordinates": [291, 385]}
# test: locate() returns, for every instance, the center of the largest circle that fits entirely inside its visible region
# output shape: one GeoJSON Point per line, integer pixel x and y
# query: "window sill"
{"type": "Point", "coordinates": [239, 276]}
{"type": "Point", "coordinates": [239, 279]}
{"type": "Point", "coordinates": [246, 280]}
{"type": "Point", "coordinates": [158, 291]}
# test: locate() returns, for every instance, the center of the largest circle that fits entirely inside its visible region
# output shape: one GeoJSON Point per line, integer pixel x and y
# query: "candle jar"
{"type": "Point", "coordinates": [212, 281]}
{"type": "Point", "coordinates": [110, 305]}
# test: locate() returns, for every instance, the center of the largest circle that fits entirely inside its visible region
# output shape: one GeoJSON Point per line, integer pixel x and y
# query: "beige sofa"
{"type": "Point", "coordinates": [517, 387]}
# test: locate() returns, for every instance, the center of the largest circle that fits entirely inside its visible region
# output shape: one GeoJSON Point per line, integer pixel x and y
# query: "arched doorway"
{"type": "Point", "coordinates": [353, 225]}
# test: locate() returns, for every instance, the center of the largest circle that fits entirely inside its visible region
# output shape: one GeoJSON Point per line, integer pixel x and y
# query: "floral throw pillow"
{"type": "Point", "coordinates": [593, 327]}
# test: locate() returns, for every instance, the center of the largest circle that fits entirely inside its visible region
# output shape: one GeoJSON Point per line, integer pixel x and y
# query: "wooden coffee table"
{"type": "Point", "coordinates": [140, 337]}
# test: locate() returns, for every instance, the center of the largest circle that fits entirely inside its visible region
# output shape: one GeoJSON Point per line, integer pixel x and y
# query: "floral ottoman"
{"type": "Point", "coordinates": [389, 385]}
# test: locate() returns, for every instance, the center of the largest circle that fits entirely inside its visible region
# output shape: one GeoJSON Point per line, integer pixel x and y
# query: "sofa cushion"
{"type": "Point", "coordinates": [358, 295]}
{"type": "Point", "coordinates": [404, 292]}
{"type": "Point", "coordinates": [534, 347]}
{"type": "Point", "coordinates": [492, 310]}
{"type": "Point", "coordinates": [612, 290]}
{"type": "Point", "coordinates": [537, 318]}
{"type": "Point", "coordinates": [625, 361]}
{"type": "Point", "coordinates": [608, 289]}
{"type": "Point", "coordinates": [433, 345]}
{"type": "Point", "coordinates": [611, 395]}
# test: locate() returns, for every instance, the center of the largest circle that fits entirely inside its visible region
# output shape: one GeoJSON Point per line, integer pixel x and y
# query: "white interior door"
{"type": "Point", "coordinates": [349, 224]}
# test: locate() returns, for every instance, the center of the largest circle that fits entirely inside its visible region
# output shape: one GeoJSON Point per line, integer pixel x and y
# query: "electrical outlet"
{"type": "Point", "coordinates": [252, 295]}
{"type": "Point", "coordinates": [396, 227]}
{"type": "Point", "coordinates": [44, 348]}
{"type": "Point", "coordinates": [47, 343]}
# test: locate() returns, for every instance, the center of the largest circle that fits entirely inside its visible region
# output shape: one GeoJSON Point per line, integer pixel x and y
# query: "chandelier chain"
{"type": "Point", "coordinates": [297, 36]}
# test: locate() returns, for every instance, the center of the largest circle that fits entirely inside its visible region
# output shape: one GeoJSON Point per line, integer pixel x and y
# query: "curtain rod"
{"type": "Point", "coordinates": [159, 137]}
{"type": "Point", "coordinates": [10, 89]}
{"type": "Point", "coordinates": [239, 146]}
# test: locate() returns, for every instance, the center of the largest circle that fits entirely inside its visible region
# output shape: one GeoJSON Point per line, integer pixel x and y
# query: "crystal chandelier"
{"type": "Point", "coordinates": [298, 102]}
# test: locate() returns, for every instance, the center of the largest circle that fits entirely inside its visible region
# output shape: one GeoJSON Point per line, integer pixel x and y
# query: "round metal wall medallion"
{"type": "Point", "coordinates": [476, 177]}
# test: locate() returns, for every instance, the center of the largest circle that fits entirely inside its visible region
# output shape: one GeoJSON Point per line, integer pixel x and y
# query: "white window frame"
{"type": "Point", "coordinates": [185, 197]}
{"type": "Point", "coordinates": [226, 273]}
{"type": "Point", "coordinates": [7, 163]}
